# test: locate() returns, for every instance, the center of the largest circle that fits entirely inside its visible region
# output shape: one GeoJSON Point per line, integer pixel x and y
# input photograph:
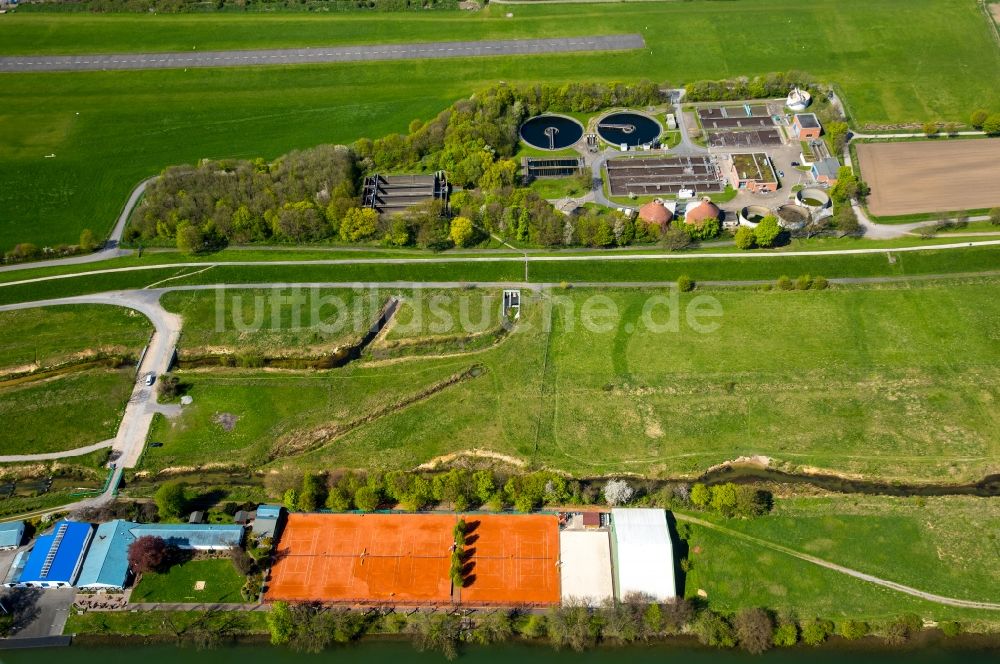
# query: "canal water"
{"type": "Point", "coordinates": [391, 652]}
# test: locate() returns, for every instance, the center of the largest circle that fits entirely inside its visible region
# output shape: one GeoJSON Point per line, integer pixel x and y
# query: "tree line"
{"type": "Point", "coordinates": [461, 489]}
{"type": "Point", "coordinates": [313, 195]}
{"type": "Point", "coordinates": [312, 627]}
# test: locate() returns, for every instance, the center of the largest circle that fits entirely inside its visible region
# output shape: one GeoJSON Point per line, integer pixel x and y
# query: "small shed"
{"type": "Point", "coordinates": [197, 517]}
{"type": "Point", "coordinates": [825, 171]}
{"type": "Point", "coordinates": [11, 534]}
{"type": "Point", "coordinates": [591, 519]}
{"type": "Point", "coordinates": [244, 517]}
{"type": "Point", "coordinates": [266, 520]}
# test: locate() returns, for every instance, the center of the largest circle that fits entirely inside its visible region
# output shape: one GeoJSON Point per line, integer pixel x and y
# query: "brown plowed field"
{"type": "Point", "coordinates": [365, 559]}
{"type": "Point", "coordinates": [931, 176]}
{"type": "Point", "coordinates": [514, 560]}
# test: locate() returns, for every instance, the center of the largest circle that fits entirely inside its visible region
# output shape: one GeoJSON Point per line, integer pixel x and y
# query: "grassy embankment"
{"type": "Point", "coordinates": [136, 123]}
{"type": "Point", "coordinates": [71, 407]}
{"type": "Point", "coordinates": [972, 259]}
{"type": "Point", "coordinates": [889, 382]}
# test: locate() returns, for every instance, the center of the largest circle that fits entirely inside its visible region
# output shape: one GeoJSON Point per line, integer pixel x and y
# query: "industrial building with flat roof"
{"type": "Point", "coordinates": [806, 126]}
{"type": "Point", "coordinates": [644, 554]}
{"type": "Point", "coordinates": [56, 558]}
{"type": "Point", "coordinates": [752, 172]}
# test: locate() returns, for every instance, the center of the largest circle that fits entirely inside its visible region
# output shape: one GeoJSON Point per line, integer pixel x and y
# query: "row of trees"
{"type": "Point", "coordinates": [757, 630]}
{"type": "Point", "coordinates": [26, 251]}
{"type": "Point", "coordinates": [312, 628]}
{"type": "Point", "coordinates": [461, 489]}
{"type": "Point", "coordinates": [776, 84]}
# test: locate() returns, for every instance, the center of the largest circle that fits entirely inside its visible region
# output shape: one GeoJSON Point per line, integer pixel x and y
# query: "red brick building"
{"type": "Point", "coordinates": [806, 126]}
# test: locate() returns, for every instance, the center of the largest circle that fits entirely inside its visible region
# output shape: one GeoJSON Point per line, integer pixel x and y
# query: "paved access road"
{"type": "Point", "coordinates": [292, 56]}
{"type": "Point", "coordinates": [142, 405]}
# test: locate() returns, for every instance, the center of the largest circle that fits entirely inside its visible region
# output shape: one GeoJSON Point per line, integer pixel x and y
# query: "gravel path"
{"type": "Point", "coordinates": [49, 456]}
{"type": "Point", "coordinates": [293, 56]}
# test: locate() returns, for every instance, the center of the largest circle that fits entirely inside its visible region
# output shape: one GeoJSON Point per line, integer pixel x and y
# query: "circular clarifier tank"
{"type": "Point", "coordinates": [551, 132]}
{"type": "Point", "coordinates": [630, 128]}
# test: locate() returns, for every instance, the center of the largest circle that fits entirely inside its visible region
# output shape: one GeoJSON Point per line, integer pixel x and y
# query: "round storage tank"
{"type": "Point", "coordinates": [629, 128]}
{"type": "Point", "coordinates": [793, 217]}
{"type": "Point", "coordinates": [813, 198]}
{"type": "Point", "coordinates": [752, 214]}
{"type": "Point", "coordinates": [551, 132]}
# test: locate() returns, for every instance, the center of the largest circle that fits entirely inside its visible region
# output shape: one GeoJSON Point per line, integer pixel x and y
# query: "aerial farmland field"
{"type": "Point", "coordinates": [931, 176]}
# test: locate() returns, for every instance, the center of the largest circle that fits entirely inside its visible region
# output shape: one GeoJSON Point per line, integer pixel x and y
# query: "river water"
{"type": "Point", "coordinates": [391, 652]}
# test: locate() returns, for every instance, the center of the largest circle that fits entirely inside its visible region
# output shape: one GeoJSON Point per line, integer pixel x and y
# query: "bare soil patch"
{"type": "Point", "coordinates": [226, 420]}
{"type": "Point", "coordinates": [931, 176]}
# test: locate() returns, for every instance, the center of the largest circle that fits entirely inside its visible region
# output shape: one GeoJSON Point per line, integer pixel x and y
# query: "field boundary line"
{"type": "Point", "coordinates": [892, 585]}
{"type": "Point", "coordinates": [510, 259]}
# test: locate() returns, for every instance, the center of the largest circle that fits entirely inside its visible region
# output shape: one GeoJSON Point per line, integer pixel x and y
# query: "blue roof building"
{"type": "Point", "coordinates": [265, 522]}
{"type": "Point", "coordinates": [56, 558]}
{"type": "Point", "coordinates": [107, 565]}
{"type": "Point", "coordinates": [268, 511]}
{"type": "Point", "coordinates": [198, 536]}
{"type": "Point", "coordinates": [11, 534]}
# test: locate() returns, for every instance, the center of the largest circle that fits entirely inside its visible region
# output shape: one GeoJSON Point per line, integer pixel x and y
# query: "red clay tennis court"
{"type": "Point", "coordinates": [514, 560]}
{"type": "Point", "coordinates": [365, 559]}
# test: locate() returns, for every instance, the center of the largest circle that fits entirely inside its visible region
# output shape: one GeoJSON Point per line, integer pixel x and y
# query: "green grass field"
{"type": "Point", "coordinates": [947, 545]}
{"type": "Point", "coordinates": [110, 130]}
{"type": "Point", "coordinates": [892, 382]}
{"type": "Point", "coordinates": [63, 413]}
{"type": "Point", "coordinates": [222, 583]}
{"type": "Point", "coordinates": [269, 322]}
{"type": "Point", "coordinates": [770, 267]}
{"type": "Point", "coordinates": [737, 574]}
{"type": "Point", "coordinates": [49, 336]}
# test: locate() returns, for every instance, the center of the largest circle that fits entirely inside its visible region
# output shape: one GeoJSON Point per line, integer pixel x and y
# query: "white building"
{"type": "Point", "coordinates": [644, 553]}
